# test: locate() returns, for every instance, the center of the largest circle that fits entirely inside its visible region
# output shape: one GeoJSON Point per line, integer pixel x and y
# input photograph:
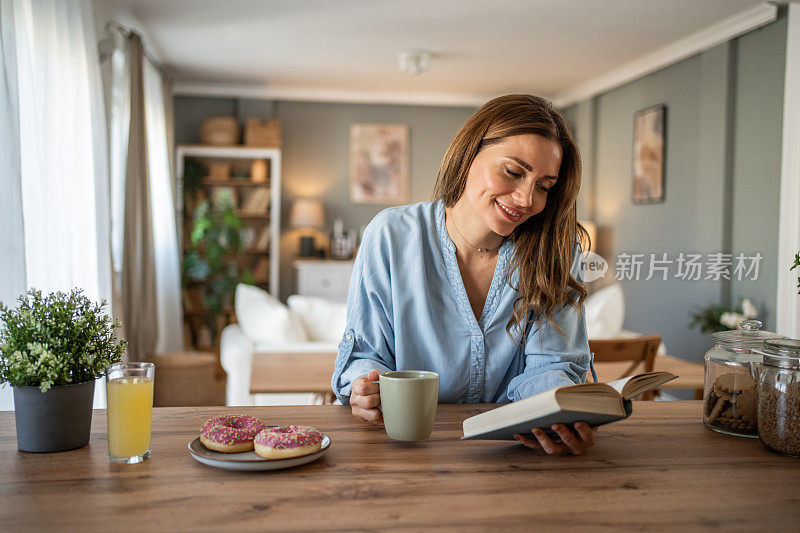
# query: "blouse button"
{"type": "Point", "coordinates": [348, 336]}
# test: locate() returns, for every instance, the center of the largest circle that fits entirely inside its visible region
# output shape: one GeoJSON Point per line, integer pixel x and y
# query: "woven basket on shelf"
{"type": "Point", "coordinates": [220, 131]}
{"type": "Point", "coordinates": [264, 134]}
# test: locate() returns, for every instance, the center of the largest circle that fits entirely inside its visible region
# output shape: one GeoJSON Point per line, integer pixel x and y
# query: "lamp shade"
{"type": "Point", "coordinates": [307, 213]}
{"type": "Point", "coordinates": [591, 228]}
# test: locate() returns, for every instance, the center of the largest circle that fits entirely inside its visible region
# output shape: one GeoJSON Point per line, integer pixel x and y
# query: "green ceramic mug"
{"type": "Point", "coordinates": [408, 402]}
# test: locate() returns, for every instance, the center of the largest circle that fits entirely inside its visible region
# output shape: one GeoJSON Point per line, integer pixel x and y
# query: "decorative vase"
{"type": "Point", "coordinates": [53, 421]}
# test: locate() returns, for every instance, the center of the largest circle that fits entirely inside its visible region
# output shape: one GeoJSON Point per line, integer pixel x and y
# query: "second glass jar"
{"type": "Point", "coordinates": [779, 397]}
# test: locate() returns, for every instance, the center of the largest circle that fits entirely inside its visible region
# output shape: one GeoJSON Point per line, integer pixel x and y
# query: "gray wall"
{"type": "Point", "coordinates": [723, 133]}
{"type": "Point", "coordinates": [756, 158]}
{"type": "Point", "coordinates": [315, 153]}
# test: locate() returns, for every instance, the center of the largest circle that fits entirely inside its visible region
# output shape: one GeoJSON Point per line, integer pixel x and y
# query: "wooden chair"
{"type": "Point", "coordinates": [187, 379]}
{"type": "Point", "coordinates": [639, 350]}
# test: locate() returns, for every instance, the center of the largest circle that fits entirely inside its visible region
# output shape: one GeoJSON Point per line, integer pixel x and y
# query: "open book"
{"type": "Point", "coordinates": [593, 403]}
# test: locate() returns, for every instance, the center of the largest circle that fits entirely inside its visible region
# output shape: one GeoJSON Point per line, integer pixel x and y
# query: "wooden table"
{"type": "Point", "coordinates": [293, 372]}
{"type": "Point", "coordinates": [660, 469]}
{"type": "Point", "coordinates": [311, 372]}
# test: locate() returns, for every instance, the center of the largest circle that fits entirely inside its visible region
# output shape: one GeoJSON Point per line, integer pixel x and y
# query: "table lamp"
{"type": "Point", "coordinates": [591, 228]}
{"type": "Point", "coordinates": [307, 214]}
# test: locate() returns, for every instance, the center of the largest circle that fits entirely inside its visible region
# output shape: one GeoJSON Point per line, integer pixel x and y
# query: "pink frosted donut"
{"type": "Point", "coordinates": [231, 433]}
{"type": "Point", "coordinates": [281, 442]}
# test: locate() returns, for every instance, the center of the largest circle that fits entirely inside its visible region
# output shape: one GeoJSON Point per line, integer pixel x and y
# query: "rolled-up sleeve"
{"type": "Point", "coordinates": [552, 359]}
{"type": "Point", "coordinates": [368, 340]}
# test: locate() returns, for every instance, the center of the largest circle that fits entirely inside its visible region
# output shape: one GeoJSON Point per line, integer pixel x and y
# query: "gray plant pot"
{"type": "Point", "coordinates": [53, 421]}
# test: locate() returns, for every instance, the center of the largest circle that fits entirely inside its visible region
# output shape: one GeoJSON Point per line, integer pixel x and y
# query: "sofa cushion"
{"type": "Point", "coordinates": [605, 312]}
{"type": "Point", "coordinates": [323, 319]}
{"type": "Point", "coordinates": [264, 319]}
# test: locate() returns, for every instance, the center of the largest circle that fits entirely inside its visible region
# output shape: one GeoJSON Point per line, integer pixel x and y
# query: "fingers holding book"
{"type": "Point", "coordinates": [574, 443]}
{"type": "Point", "coordinates": [586, 433]}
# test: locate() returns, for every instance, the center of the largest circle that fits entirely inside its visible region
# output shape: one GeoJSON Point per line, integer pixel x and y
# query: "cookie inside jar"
{"type": "Point", "coordinates": [731, 403]}
{"type": "Point", "coordinates": [730, 396]}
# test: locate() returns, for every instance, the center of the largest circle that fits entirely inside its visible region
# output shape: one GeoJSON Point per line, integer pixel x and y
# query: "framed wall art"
{"type": "Point", "coordinates": [378, 163]}
{"type": "Point", "coordinates": [649, 154]}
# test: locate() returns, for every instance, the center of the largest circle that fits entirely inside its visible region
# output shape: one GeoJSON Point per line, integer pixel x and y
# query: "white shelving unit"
{"type": "Point", "coordinates": [273, 158]}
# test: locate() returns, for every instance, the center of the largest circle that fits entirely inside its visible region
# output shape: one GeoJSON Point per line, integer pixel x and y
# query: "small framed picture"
{"type": "Point", "coordinates": [378, 163]}
{"type": "Point", "coordinates": [649, 154]}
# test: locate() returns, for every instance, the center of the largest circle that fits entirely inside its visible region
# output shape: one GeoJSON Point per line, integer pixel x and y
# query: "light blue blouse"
{"type": "Point", "coordinates": [407, 309]}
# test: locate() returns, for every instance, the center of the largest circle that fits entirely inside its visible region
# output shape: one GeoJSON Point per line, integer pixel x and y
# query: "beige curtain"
{"type": "Point", "coordinates": [169, 114]}
{"type": "Point", "coordinates": [138, 260]}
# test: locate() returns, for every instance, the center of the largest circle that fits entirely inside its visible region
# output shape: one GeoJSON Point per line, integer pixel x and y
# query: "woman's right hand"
{"type": "Point", "coordinates": [365, 397]}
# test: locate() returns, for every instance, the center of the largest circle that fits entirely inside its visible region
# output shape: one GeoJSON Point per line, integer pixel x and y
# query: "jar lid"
{"type": "Point", "coordinates": [783, 353]}
{"type": "Point", "coordinates": [748, 338]}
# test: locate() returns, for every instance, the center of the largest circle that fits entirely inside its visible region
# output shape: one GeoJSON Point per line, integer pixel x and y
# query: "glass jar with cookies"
{"type": "Point", "coordinates": [732, 367]}
{"type": "Point", "coordinates": [779, 396]}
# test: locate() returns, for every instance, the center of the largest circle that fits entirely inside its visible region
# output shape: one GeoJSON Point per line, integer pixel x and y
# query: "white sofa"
{"type": "Point", "coordinates": [308, 324]}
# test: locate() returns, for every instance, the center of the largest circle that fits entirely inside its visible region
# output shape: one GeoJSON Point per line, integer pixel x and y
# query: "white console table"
{"type": "Point", "coordinates": [325, 278]}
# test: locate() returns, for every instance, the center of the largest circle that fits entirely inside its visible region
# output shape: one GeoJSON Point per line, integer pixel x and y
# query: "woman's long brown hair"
{"type": "Point", "coordinates": [545, 243]}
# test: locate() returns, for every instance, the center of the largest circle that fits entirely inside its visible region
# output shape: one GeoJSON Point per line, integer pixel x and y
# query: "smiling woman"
{"type": "Point", "coordinates": [480, 285]}
{"type": "Point", "coordinates": [516, 157]}
{"type": "Point", "coordinates": [501, 193]}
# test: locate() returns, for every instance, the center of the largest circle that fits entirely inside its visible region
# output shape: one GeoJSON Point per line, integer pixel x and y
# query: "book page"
{"type": "Point", "coordinates": [619, 384]}
{"type": "Point", "coordinates": [633, 386]}
{"type": "Point", "coordinates": [595, 398]}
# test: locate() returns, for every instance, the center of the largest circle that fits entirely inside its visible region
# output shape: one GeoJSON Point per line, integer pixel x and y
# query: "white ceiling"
{"type": "Point", "coordinates": [480, 48]}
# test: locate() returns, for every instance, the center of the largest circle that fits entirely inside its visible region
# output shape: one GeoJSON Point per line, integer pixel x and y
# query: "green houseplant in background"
{"type": "Point", "coordinates": [713, 318]}
{"type": "Point", "coordinates": [210, 263]}
{"type": "Point", "coordinates": [795, 265]}
{"type": "Point", "coordinates": [52, 348]}
{"type": "Point", "coordinates": [193, 173]}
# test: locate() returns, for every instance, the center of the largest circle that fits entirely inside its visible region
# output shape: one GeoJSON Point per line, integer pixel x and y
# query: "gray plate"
{"type": "Point", "coordinates": [250, 460]}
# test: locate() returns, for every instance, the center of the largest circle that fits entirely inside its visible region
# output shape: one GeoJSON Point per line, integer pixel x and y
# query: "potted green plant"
{"type": "Point", "coordinates": [52, 348]}
{"type": "Point", "coordinates": [210, 263]}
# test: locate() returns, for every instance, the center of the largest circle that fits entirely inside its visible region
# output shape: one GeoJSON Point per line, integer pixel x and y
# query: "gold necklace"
{"type": "Point", "coordinates": [480, 250]}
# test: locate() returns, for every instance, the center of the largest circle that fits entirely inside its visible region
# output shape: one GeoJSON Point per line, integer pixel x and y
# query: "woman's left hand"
{"type": "Point", "coordinates": [573, 443]}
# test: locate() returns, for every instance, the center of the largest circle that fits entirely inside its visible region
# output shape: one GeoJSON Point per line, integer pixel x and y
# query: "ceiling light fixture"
{"type": "Point", "coordinates": [414, 61]}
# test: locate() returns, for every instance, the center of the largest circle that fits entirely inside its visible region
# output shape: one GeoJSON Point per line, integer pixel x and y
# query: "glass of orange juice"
{"type": "Point", "coordinates": [129, 394]}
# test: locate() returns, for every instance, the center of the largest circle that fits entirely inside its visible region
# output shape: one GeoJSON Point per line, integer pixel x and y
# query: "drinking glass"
{"type": "Point", "coordinates": [129, 395]}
